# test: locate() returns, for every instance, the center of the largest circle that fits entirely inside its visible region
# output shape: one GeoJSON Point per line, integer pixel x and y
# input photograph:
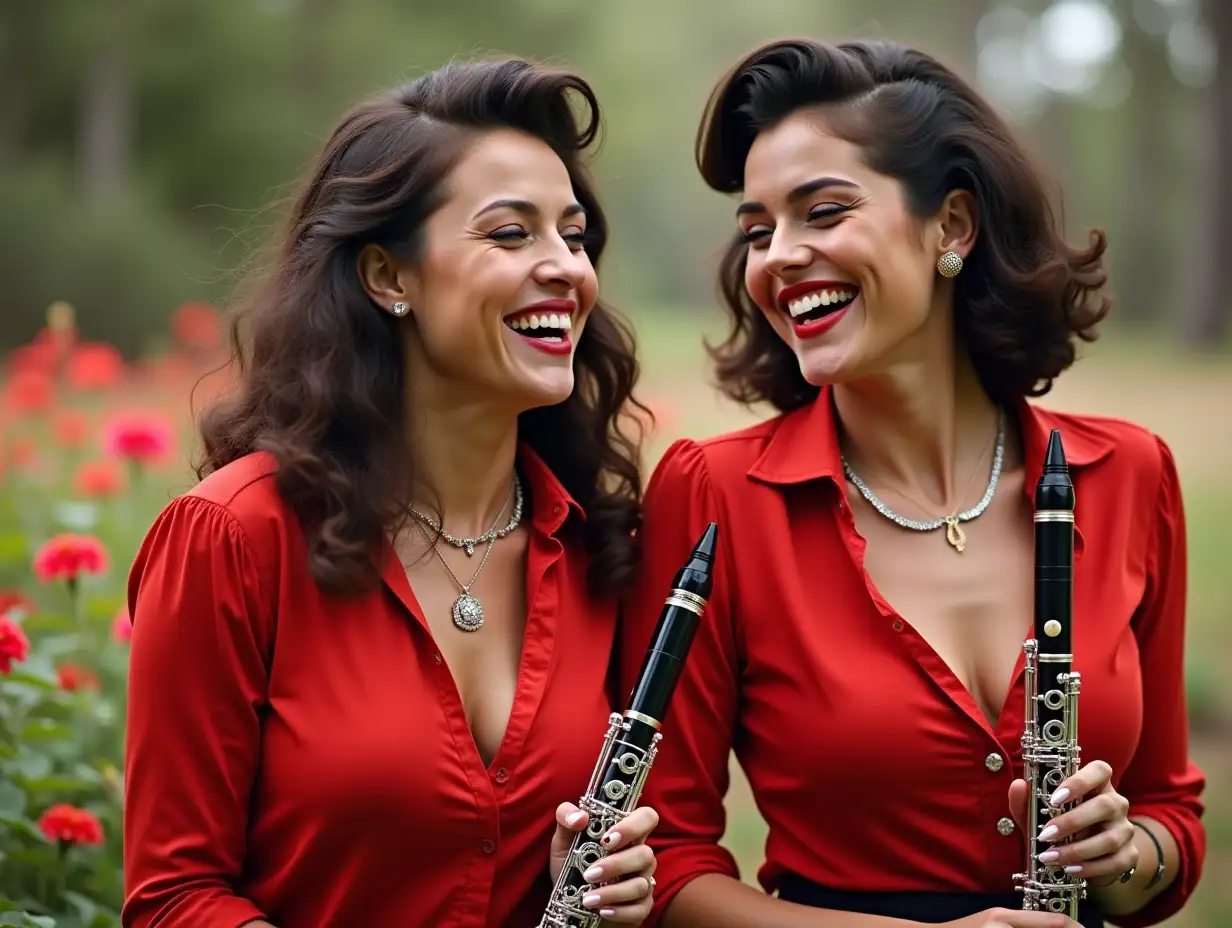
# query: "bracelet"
{"type": "Point", "coordinates": [1159, 853]}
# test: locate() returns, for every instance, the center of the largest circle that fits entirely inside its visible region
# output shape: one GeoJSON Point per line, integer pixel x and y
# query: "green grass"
{"type": "Point", "coordinates": [1137, 376]}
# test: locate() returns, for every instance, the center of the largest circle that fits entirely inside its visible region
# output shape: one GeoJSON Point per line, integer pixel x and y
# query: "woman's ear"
{"type": "Point", "coordinates": [959, 223]}
{"type": "Point", "coordinates": [390, 284]}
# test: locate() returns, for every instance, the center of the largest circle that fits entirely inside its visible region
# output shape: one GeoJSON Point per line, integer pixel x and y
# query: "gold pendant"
{"type": "Point", "coordinates": [955, 535]}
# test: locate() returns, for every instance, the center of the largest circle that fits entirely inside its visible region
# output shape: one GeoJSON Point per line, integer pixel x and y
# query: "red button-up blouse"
{"type": "Point", "coordinates": [872, 765]}
{"type": "Point", "coordinates": [306, 759]}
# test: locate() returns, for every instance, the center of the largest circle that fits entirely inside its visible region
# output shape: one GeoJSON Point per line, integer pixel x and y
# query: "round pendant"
{"type": "Point", "coordinates": [467, 613]}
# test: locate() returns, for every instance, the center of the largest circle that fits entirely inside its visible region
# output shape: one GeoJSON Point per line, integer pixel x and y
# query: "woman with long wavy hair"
{"type": "Point", "coordinates": [368, 644]}
{"type": "Point", "coordinates": [897, 289]}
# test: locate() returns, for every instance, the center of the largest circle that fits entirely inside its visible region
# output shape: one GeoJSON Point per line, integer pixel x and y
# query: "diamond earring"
{"type": "Point", "coordinates": [400, 308]}
{"type": "Point", "coordinates": [949, 264]}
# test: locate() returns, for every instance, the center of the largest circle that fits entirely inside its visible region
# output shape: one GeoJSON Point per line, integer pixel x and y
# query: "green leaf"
{"type": "Point", "coordinates": [12, 800]}
{"type": "Point", "coordinates": [87, 909]}
{"type": "Point", "coordinates": [44, 730]}
{"type": "Point", "coordinates": [31, 766]}
{"type": "Point", "coordinates": [34, 675]}
{"type": "Point", "coordinates": [26, 920]}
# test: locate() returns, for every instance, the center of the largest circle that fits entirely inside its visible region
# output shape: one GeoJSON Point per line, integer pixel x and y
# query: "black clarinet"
{"type": "Point", "coordinates": [632, 739]}
{"type": "Point", "coordinates": [1050, 750]}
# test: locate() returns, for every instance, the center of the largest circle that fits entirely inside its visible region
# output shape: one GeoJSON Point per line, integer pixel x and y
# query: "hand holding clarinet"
{"type": "Point", "coordinates": [603, 840]}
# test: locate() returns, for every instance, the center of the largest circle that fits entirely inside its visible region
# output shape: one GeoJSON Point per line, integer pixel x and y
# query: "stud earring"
{"type": "Point", "coordinates": [949, 264]}
{"type": "Point", "coordinates": [400, 308]}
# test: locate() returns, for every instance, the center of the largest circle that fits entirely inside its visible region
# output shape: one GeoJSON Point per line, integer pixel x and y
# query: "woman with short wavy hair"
{"type": "Point", "coordinates": [897, 288]}
{"type": "Point", "coordinates": [369, 645]}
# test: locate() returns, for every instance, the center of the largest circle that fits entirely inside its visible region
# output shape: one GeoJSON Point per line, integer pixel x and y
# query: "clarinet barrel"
{"type": "Point", "coordinates": [632, 739]}
{"type": "Point", "coordinates": [1050, 748]}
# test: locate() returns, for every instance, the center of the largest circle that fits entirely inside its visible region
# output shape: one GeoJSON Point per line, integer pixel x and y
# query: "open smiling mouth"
{"type": "Point", "coordinates": [545, 326]}
{"type": "Point", "coordinates": [815, 307]}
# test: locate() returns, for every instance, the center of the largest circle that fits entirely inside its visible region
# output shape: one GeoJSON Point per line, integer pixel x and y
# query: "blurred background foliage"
{"type": "Point", "coordinates": [144, 144]}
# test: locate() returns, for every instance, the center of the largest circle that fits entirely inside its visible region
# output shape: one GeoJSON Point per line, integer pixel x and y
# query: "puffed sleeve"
{"type": "Point", "coordinates": [689, 779]}
{"type": "Point", "coordinates": [1162, 782]}
{"type": "Point", "coordinates": [202, 635]}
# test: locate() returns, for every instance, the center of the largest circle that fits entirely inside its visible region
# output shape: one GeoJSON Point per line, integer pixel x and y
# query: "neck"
{"type": "Point", "coordinates": [465, 451]}
{"type": "Point", "coordinates": [923, 429]}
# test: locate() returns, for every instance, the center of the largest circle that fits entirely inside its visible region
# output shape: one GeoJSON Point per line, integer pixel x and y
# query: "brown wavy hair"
{"type": "Point", "coordinates": [320, 368]}
{"type": "Point", "coordinates": [1023, 295]}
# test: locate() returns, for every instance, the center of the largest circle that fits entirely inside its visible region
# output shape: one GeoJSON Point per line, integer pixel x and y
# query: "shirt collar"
{"type": "Point", "coordinates": [805, 445]}
{"type": "Point", "coordinates": [551, 503]}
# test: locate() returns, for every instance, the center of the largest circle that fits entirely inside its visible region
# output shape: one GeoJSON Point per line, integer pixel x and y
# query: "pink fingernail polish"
{"type": "Point", "coordinates": [1049, 856]}
{"type": "Point", "coordinates": [611, 838]}
{"type": "Point", "coordinates": [1074, 868]}
{"type": "Point", "coordinates": [1048, 833]}
{"type": "Point", "coordinates": [1059, 797]}
{"type": "Point", "coordinates": [607, 913]}
{"type": "Point", "coordinates": [590, 901]}
{"type": "Point", "coordinates": [573, 818]}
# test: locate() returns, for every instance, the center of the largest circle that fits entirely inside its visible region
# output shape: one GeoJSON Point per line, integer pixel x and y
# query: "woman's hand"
{"type": "Point", "coordinates": [1103, 847]}
{"type": "Point", "coordinates": [628, 867]}
{"type": "Point", "coordinates": [1013, 918]}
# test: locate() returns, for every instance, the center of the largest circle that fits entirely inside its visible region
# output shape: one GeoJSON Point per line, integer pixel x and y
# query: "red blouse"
{"type": "Point", "coordinates": [871, 763]}
{"type": "Point", "coordinates": [306, 759]}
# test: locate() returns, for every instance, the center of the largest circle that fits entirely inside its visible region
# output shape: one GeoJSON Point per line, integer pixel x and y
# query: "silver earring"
{"type": "Point", "coordinates": [949, 264]}
{"type": "Point", "coordinates": [400, 308]}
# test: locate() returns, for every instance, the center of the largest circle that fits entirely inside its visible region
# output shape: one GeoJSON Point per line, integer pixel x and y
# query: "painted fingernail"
{"type": "Point", "coordinates": [1059, 796]}
{"type": "Point", "coordinates": [607, 913]}
{"type": "Point", "coordinates": [611, 838]}
{"type": "Point", "coordinates": [1074, 868]}
{"type": "Point", "coordinates": [574, 817]}
{"type": "Point", "coordinates": [590, 901]}
{"type": "Point", "coordinates": [593, 874]}
{"type": "Point", "coordinates": [1048, 833]}
{"type": "Point", "coordinates": [1049, 856]}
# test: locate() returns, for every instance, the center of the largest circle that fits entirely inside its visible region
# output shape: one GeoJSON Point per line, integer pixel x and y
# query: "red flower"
{"type": "Point", "coordinates": [67, 556]}
{"type": "Point", "coordinates": [14, 645]}
{"type": "Point", "coordinates": [98, 478]}
{"type": "Point", "coordinates": [29, 391]}
{"type": "Point", "coordinates": [139, 437]}
{"type": "Point", "coordinates": [12, 601]}
{"type": "Point", "coordinates": [70, 427]}
{"type": "Point", "coordinates": [73, 678]}
{"type": "Point", "coordinates": [95, 365]}
{"type": "Point", "coordinates": [197, 325]}
{"type": "Point", "coordinates": [122, 626]}
{"type": "Point", "coordinates": [70, 825]}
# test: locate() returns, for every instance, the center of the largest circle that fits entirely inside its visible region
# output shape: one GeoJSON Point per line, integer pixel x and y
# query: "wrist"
{"type": "Point", "coordinates": [1121, 898]}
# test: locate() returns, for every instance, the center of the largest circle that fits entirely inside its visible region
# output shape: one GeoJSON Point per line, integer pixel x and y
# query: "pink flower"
{"type": "Point", "coordinates": [67, 556]}
{"type": "Point", "coordinates": [139, 437]}
{"type": "Point", "coordinates": [122, 626]}
{"type": "Point", "coordinates": [70, 825]}
{"type": "Point", "coordinates": [74, 677]}
{"type": "Point", "coordinates": [95, 365]}
{"type": "Point", "coordinates": [14, 645]}
{"type": "Point", "coordinates": [98, 479]}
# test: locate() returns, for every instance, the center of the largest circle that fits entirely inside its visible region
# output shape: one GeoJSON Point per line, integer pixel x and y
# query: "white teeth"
{"type": "Point", "coordinates": [560, 321]}
{"type": "Point", "coordinates": [817, 298]}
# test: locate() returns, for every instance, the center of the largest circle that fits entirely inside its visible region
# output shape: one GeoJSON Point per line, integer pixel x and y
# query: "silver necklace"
{"type": "Point", "coordinates": [467, 609]}
{"type": "Point", "coordinates": [469, 544]}
{"type": "Point", "coordinates": [953, 530]}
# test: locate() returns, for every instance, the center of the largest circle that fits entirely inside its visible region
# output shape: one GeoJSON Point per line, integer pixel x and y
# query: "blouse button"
{"type": "Point", "coordinates": [488, 845]}
{"type": "Point", "coordinates": [898, 626]}
{"type": "Point", "coordinates": [994, 762]}
{"type": "Point", "coordinates": [436, 657]}
{"type": "Point", "coordinates": [556, 509]}
{"type": "Point", "coordinates": [1005, 826]}
{"type": "Point", "coordinates": [502, 775]}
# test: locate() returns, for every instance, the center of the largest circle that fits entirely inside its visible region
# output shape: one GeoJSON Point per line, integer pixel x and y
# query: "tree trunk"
{"type": "Point", "coordinates": [107, 104]}
{"type": "Point", "coordinates": [1205, 323]}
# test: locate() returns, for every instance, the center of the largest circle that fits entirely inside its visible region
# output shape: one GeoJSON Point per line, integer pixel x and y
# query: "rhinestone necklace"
{"type": "Point", "coordinates": [467, 609]}
{"type": "Point", "coordinates": [953, 530]}
{"type": "Point", "coordinates": [470, 544]}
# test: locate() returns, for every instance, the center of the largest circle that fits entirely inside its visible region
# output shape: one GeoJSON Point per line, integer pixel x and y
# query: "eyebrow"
{"type": "Point", "coordinates": [528, 208]}
{"type": "Point", "coordinates": [798, 193]}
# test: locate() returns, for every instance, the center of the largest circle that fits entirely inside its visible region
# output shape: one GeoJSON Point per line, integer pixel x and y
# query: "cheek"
{"type": "Point", "coordinates": [757, 281]}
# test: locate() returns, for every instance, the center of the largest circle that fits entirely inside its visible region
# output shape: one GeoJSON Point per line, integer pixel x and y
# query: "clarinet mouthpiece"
{"type": "Point", "coordinates": [1054, 457]}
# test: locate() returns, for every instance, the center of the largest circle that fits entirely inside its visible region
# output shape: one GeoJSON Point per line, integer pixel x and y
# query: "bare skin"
{"type": "Point", "coordinates": [919, 430]}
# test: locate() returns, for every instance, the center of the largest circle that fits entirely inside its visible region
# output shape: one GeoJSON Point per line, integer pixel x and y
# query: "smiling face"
{"type": "Point", "coordinates": [842, 270]}
{"type": "Point", "coordinates": [501, 287]}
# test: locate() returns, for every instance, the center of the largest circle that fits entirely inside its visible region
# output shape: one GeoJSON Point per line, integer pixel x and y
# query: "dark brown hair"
{"type": "Point", "coordinates": [1023, 294]}
{"type": "Point", "coordinates": [320, 369]}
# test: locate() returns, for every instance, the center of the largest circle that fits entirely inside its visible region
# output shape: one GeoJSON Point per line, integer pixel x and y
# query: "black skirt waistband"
{"type": "Point", "coordinates": [930, 908]}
